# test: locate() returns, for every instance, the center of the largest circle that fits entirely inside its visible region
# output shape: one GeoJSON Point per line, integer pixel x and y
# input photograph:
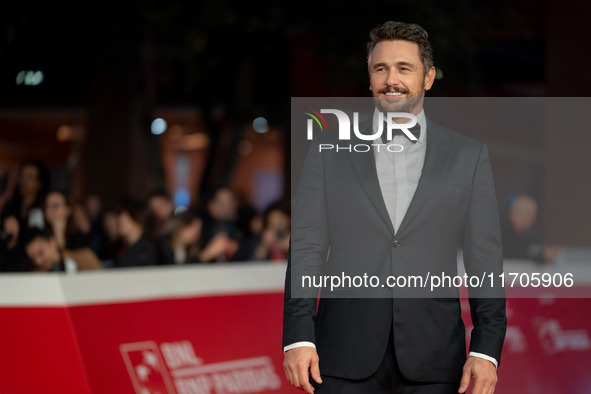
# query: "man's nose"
{"type": "Point", "coordinates": [393, 78]}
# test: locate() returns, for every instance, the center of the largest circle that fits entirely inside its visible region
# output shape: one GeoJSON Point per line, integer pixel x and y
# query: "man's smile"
{"type": "Point", "coordinates": [394, 92]}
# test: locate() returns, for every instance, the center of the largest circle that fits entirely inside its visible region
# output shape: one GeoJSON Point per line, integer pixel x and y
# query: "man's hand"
{"type": "Point", "coordinates": [296, 364]}
{"type": "Point", "coordinates": [484, 374]}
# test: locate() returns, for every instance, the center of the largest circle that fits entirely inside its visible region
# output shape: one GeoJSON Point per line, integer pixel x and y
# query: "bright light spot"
{"type": "Point", "coordinates": [195, 141]}
{"type": "Point", "coordinates": [438, 73]}
{"type": "Point", "coordinates": [182, 198]}
{"type": "Point", "coordinates": [20, 78]}
{"type": "Point", "coordinates": [29, 78]}
{"type": "Point", "coordinates": [260, 125]}
{"type": "Point", "coordinates": [37, 78]}
{"type": "Point", "coordinates": [64, 133]}
{"type": "Point", "coordinates": [158, 126]}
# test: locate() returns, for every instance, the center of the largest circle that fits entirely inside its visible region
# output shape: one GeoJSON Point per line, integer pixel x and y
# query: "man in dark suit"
{"type": "Point", "coordinates": [401, 213]}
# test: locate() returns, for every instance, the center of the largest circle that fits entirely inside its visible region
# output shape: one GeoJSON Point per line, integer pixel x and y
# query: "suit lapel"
{"type": "Point", "coordinates": [364, 165]}
{"type": "Point", "coordinates": [436, 157]}
{"type": "Point", "coordinates": [438, 151]}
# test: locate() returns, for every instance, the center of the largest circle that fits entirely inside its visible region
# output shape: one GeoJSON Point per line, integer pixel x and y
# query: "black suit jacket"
{"type": "Point", "coordinates": [339, 207]}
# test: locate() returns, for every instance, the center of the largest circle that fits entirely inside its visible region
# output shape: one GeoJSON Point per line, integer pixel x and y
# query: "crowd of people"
{"type": "Point", "coordinates": [43, 229]}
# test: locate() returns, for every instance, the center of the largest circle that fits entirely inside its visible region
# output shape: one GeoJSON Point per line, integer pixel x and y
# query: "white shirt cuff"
{"type": "Point", "coordinates": [484, 356]}
{"type": "Point", "coordinates": [310, 344]}
{"type": "Point", "coordinates": [299, 344]}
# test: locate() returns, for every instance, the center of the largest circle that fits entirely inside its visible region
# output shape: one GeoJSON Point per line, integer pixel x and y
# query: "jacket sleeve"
{"type": "Point", "coordinates": [308, 250]}
{"type": "Point", "coordinates": [483, 255]}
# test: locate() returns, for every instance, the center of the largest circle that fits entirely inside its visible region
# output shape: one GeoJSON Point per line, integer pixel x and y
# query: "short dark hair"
{"type": "Point", "coordinates": [403, 31]}
{"type": "Point", "coordinates": [281, 205]}
{"type": "Point", "coordinates": [42, 172]}
{"type": "Point", "coordinates": [136, 210]}
{"type": "Point", "coordinates": [33, 233]}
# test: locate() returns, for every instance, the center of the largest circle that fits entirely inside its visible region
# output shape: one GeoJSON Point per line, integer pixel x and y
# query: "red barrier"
{"type": "Point", "coordinates": [218, 330]}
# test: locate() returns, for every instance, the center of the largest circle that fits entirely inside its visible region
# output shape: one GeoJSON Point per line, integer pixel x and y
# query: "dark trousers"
{"type": "Point", "coordinates": [386, 380]}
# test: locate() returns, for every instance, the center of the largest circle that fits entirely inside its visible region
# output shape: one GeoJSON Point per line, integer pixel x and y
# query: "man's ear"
{"type": "Point", "coordinates": [429, 78]}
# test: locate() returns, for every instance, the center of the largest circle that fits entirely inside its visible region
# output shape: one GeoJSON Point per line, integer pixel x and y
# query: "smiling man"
{"type": "Point", "coordinates": [393, 213]}
{"type": "Point", "coordinates": [400, 71]}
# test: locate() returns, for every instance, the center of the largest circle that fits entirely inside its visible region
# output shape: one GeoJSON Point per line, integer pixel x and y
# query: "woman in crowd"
{"type": "Point", "coordinates": [139, 250]}
{"type": "Point", "coordinates": [181, 244]}
{"type": "Point", "coordinates": [274, 241]}
{"type": "Point", "coordinates": [60, 217]}
{"type": "Point", "coordinates": [27, 202]}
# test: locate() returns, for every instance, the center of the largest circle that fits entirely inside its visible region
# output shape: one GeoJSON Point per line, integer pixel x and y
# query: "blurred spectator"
{"type": "Point", "coordinates": [69, 230]}
{"type": "Point", "coordinates": [28, 198]}
{"type": "Point", "coordinates": [81, 219]}
{"type": "Point", "coordinates": [94, 210]}
{"type": "Point", "coordinates": [42, 248]}
{"type": "Point", "coordinates": [161, 210]}
{"type": "Point", "coordinates": [130, 223]}
{"type": "Point", "coordinates": [274, 240]}
{"type": "Point", "coordinates": [112, 245]}
{"type": "Point", "coordinates": [12, 254]}
{"type": "Point", "coordinates": [181, 244]}
{"type": "Point", "coordinates": [4, 197]}
{"type": "Point", "coordinates": [248, 222]}
{"type": "Point", "coordinates": [250, 225]}
{"type": "Point", "coordinates": [219, 225]}
{"type": "Point", "coordinates": [520, 238]}
{"type": "Point", "coordinates": [94, 207]}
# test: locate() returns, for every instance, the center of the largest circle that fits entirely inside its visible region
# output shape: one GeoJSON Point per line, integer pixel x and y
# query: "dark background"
{"type": "Point", "coordinates": [118, 62]}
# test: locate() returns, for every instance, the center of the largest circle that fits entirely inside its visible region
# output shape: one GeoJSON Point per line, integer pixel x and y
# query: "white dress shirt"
{"type": "Point", "coordinates": [399, 172]}
{"type": "Point", "coordinates": [398, 176]}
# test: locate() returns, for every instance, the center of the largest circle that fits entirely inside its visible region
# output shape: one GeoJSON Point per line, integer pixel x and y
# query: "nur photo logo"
{"type": "Point", "coordinates": [390, 123]}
